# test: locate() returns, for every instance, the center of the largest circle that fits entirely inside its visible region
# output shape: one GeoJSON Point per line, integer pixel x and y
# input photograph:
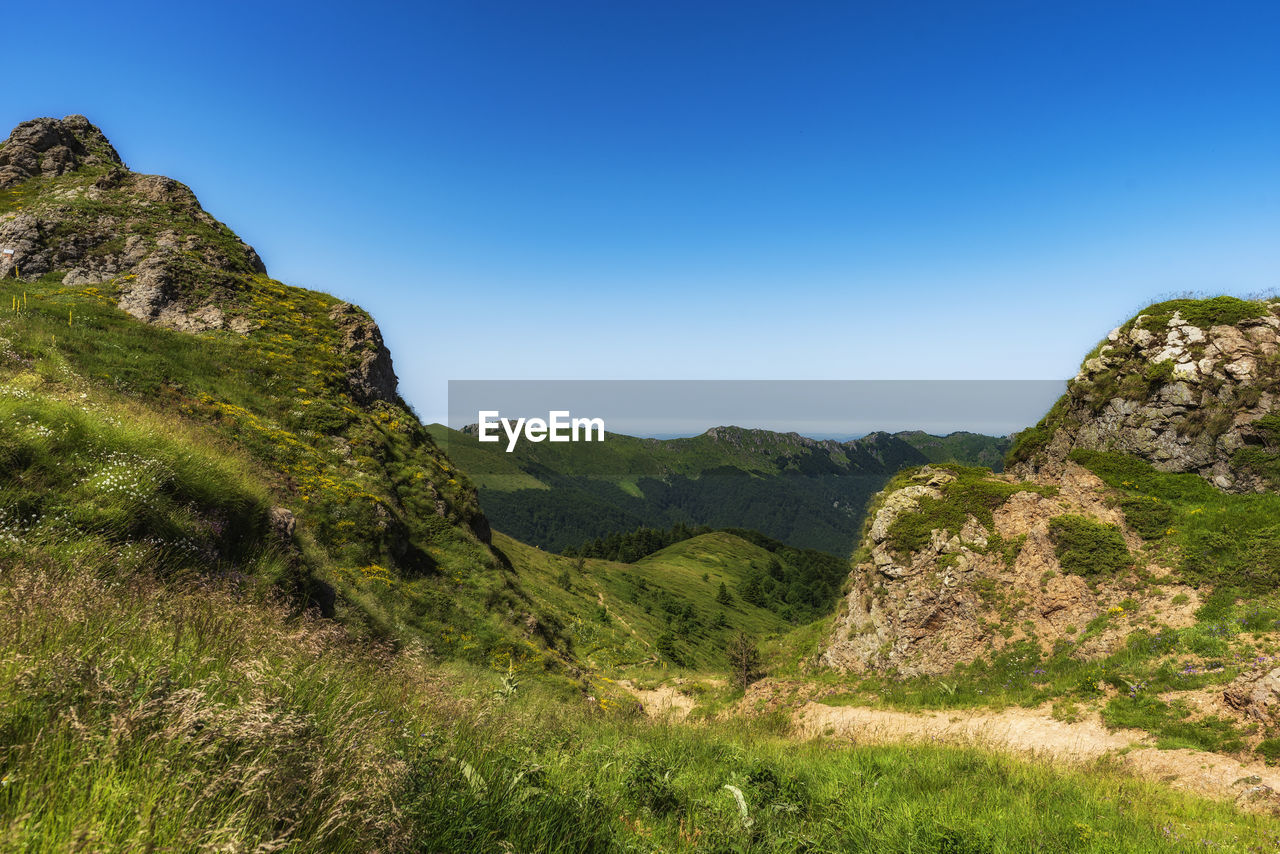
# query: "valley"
{"type": "Point", "coordinates": [805, 492]}
{"type": "Point", "coordinates": [248, 602]}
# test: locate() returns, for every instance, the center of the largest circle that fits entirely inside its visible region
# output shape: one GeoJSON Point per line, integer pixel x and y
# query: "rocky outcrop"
{"type": "Point", "coordinates": [371, 376]}
{"type": "Point", "coordinates": [972, 592]}
{"type": "Point", "coordinates": [145, 236]}
{"type": "Point", "coordinates": [1181, 388]}
{"type": "Point", "coordinates": [1256, 694]}
{"type": "Point", "coordinates": [53, 147]}
{"type": "Point", "coordinates": [283, 523]}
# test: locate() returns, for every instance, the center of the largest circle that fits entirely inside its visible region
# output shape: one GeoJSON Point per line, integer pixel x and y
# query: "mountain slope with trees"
{"type": "Point", "coordinates": [809, 493]}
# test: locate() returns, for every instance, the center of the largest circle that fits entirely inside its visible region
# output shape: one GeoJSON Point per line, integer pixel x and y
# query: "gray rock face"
{"type": "Point", "coordinates": [372, 376]}
{"type": "Point", "coordinates": [53, 147]}
{"type": "Point", "coordinates": [1183, 398]}
{"type": "Point", "coordinates": [145, 235]}
{"type": "Point", "coordinates": [154, 293]}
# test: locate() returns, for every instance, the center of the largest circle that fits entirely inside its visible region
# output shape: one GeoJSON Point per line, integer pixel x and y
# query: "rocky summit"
{"type": "Point", "coordinates": [52, 147]}
{"type": "Point", "coordinates": [144, 241]}
{"type": "Point", "coordinates": [1187, 385]}
{"type": "Point", "coordinates": [76, 209]}
{"type": "Point", "coordinates": [1091, 534]}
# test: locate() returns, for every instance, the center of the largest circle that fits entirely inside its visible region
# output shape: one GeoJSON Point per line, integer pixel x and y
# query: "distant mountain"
{"type": "Point", "coordinates": [970, 449]}
{"type": "Point", "coordinates": [808, 493]}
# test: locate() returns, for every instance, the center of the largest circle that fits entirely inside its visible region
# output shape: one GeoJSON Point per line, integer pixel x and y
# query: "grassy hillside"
{"type": "Point", "coordinates": [247, 604]}
{"type": "Point", "coordinates": [383, 518]}
{"type": "Point", "coordinates": [143, 715]}
{"type": "Point", "coordinates": [660, 612]}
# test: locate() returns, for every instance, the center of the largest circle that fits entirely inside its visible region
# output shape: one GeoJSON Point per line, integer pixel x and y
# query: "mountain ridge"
{"type": "Point", "coordinates": [807, 492]}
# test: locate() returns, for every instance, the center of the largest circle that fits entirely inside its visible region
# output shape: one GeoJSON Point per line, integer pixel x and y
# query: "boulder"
{"type": "Point", "coordinates": [283, 522]}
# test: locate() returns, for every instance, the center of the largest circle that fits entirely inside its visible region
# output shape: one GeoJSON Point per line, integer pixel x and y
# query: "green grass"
{"type": "Point", "coordinates": [1213, 538]}
{"type": "Point", "coordinates": [1171, 723]}
{"type": "Point", "coordinates": [140, 715]}
{"type": "Point", "coordinates": [663, 594]}
{"type": "Point", "coordinates": [88, 473]}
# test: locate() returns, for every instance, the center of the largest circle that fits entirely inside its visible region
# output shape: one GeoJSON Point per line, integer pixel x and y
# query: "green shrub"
{"type": "Point", "coordinates": [1269, 749]}
{"type": "Point", "coordinates": [1204, 313]}
{"type": "Point", "coordinates": [1087, 547]}
{"type": "Point", "coordinates": [972, 493]}
{"type": "Point", "coordinates": [1268, 427]}
{"type": "Point", "coordinates": [1147, 515]}
{"type": "Point", "coordinates": [1260, 461]}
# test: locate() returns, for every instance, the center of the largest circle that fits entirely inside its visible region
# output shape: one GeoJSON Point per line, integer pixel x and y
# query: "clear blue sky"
{"type": "Point", "coordinates": [607, 189]}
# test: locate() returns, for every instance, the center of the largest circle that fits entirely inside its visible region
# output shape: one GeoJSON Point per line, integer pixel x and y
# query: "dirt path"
{"type": "Point", "coordinates": [1034, 733]}
{"type": "Point", "coordinates": [1031, 733]}
{"type": "Point", "coordinates": [663, 701]}
{"type": "Point", "coordinates": [1021, 730]}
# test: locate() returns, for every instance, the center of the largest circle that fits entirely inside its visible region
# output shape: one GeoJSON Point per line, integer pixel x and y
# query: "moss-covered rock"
{"type": "Point", "coordinates": [1187, 385]}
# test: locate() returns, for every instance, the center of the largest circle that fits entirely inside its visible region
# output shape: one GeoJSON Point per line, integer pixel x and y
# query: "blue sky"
{"type": "Point", "coordinates": [745, 190]}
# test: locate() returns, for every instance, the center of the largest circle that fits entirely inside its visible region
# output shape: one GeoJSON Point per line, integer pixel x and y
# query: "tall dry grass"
{"type": "Point", "coordinates": [136, 715]}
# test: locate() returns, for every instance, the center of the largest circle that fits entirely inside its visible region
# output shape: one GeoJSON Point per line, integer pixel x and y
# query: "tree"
{"type": "Point", "coordinates": [744, 660]}
{"type": "Point", "coordinates": [723, 596]}
{"type": "Point", "coordinates": [669, 649]}
{"type": "Point", "coordinates": [751, 591]}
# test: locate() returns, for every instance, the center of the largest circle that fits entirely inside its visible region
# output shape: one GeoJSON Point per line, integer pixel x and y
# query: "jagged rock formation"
{"type": "Point", "coordinates": [53, 147]}
{"type": "Point", "coordinates": [144, 236]}
{"type": "Point", "coordinates": [1186, 386]}
{"type": "Point", "coordinates": [371, 376]}
{"type": "Point", "coordinates": [974, 591]}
